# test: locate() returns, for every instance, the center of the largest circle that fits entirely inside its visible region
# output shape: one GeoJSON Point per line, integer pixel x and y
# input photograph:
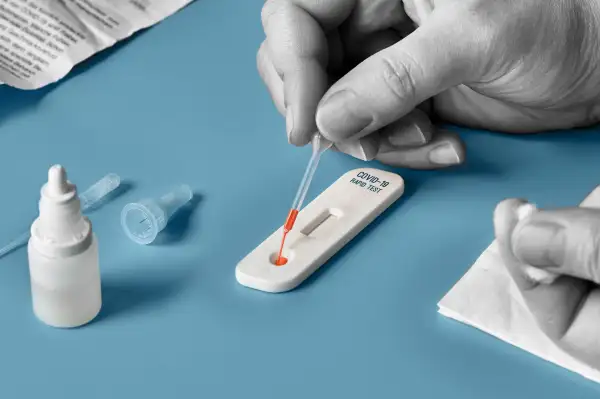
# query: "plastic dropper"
{"type": "Point", "coordinates": [88, 198]}
{"type": "Point", "coordinates": [319, 146]}
{"type": "Point", "coordinates": [98, 191]}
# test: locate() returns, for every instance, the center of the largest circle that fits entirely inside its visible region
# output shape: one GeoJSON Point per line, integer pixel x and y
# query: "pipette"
{"type": "Point", "coordinates": [88, 198]}
{"type": "Point", "coordinates": [319, 146]}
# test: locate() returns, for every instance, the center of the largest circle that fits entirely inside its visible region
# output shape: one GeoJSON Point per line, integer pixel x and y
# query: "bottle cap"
{"type": "Point", "coordinates": [60, 230]}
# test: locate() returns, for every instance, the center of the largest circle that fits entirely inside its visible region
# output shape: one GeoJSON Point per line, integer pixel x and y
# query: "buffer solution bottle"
{"type": "Point", "coordinates": [63, 257]}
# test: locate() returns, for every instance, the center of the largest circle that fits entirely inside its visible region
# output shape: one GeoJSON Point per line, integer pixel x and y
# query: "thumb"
{"type": "Point", "coordinates": [440, 54]}
{"type": "Point", "coordinates": [564, 241]}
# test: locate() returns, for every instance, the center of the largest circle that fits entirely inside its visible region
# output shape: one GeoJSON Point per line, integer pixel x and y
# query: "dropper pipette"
{"type": "Point", "coordinates": [88, 199]}
{"type": "Point", "coordinates": [319, 146]}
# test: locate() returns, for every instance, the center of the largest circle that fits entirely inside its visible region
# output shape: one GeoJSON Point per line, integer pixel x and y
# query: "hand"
{"type": "Point", "coordinates": [554, 258]}
{"type": "Point", "coordinates": [515, 66]}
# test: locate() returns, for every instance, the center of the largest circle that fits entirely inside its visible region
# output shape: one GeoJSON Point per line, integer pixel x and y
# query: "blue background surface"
{"type": "Point", "coordinates": [183, 103]}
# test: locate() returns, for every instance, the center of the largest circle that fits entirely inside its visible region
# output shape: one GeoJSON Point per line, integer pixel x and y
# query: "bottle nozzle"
{"type": "Point", "coordinates": [57, 181]}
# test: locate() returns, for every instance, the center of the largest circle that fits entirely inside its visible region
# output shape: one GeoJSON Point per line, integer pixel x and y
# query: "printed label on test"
{"type": "Point", "coordinates": [370, 182]}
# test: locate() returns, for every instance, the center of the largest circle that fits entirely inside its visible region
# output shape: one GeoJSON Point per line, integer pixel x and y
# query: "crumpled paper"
{"type": "Point", "coordinates": [42, 40]}
{"type": "Point", "coordinates": [487, 298]}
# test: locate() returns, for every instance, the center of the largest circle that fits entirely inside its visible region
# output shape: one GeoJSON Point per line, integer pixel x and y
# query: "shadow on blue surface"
{"type": "Point", "coordinates": [476, 165]}
{"type": "Point", "coordinates": [578, 136]}
{"type": "Point", "coordinates": [575, 135]}
{"type": "Point", "coordinates": [13, 101]}
{"type": "Point", "coordinates": [582, 139]}
{"type": "Point", "coordinates": [178, 227]}
{"type": "Point", "coordinates": [140, 292]}
{"type": "Point", "coordinates": [97, 58]}
{"type": "Point", "coordinates": [494, 166]}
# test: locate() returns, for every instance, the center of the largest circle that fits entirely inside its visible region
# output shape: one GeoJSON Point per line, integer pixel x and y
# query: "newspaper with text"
{"type": "Point", "coordinates": [41, 40]}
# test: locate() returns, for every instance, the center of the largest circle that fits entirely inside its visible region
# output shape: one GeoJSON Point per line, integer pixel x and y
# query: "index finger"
{"type": "Point", "coordinates": [297, 45]}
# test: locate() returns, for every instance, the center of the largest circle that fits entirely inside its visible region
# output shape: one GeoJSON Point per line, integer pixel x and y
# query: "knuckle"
{"type": "Point", "coordinates": [275, 12]}
{"type": "Point", "coordinates": [269, 9]}
{"type": "Point", "coordinates": [399, 77]}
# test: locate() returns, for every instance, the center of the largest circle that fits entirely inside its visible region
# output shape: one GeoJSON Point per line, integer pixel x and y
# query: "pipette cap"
{"type": "Point", "coordinates": [142, 221]}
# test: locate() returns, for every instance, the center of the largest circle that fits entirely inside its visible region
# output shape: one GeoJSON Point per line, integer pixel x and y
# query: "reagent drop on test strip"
{"type": "Point", "coordinates": [63, 257]}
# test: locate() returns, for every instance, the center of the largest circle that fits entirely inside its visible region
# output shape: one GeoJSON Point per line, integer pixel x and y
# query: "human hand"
{"type": "Point", "coordinates": [554, 258]}
{"type": "Point", "coordinates": [513, 66]}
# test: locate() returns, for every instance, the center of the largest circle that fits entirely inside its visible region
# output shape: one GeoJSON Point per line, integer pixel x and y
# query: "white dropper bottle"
{"type": "Point", "coordinates": [63, 257]}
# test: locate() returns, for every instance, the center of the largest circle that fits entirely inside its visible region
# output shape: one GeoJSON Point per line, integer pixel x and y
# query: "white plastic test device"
{"type": "Point", "coordinates": [323, 227]}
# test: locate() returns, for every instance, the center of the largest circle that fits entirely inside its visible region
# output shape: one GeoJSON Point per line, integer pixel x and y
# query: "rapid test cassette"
{"type": "Point", "coordinates": [323, 227]}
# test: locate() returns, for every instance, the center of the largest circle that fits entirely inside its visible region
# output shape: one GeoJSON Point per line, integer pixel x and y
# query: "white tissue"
{"type": "Point", "coordinates": [487, 298]}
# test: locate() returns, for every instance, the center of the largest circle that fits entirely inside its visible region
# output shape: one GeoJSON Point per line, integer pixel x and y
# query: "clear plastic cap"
{"type": "Point", "coordinates": [143, 220]}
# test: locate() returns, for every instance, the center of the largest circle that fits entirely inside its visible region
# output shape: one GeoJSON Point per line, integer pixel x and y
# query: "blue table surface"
{"type": "Point", "coordinates": [182, 103]}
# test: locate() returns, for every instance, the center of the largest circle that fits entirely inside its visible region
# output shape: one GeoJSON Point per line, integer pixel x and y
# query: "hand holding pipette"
{"type": "Point", "coordinates": [319, 146]}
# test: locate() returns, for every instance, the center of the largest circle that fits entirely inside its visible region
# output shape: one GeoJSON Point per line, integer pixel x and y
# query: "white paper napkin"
{"type": "Point", "coordinates": [487, 298]}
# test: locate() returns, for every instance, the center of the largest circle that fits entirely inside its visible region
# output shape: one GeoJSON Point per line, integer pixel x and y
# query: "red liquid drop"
{"type": "Point", "coordinates": [281, 261]}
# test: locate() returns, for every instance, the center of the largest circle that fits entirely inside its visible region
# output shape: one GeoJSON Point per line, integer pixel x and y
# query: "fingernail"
{"type": "Point", "coordinates": [352, 148]}
{"type": "Point", "coordinates": [289, 124]}
{"type": "Point", "coordinates": [364, 149]}
{"type": "Point", "coordinates": [410, 135]}
{"type": "Point", "coordinates": [444, 154]}
{"type": "Point", "coordinates": [540, 244]}
{"type": "Point", "coordinates": [342, 116]}
{"type": "Point", "coordinates": [525, 210]}
{"type": "Point", "coordinates": [538, 275]}
{"type": "Point", "coordinates": [370, 146]}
